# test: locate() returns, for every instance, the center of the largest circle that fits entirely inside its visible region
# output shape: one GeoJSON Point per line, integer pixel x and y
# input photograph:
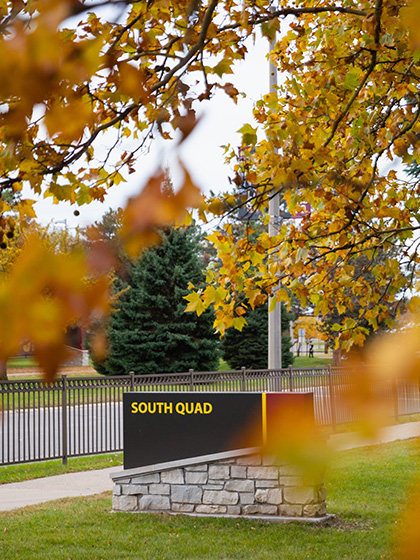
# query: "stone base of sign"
{"type": "Point", "coordinates": [238, 483]}
{"type": "Point", "coordinates": [76, 357]}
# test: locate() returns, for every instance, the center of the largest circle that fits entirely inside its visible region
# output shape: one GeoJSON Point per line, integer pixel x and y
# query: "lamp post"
{"type": "Point", "coordinates": [274, 317]}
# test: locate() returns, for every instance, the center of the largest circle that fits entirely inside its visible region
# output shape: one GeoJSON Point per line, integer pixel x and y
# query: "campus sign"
{"type": "Point", "coordinates": [162, 427]}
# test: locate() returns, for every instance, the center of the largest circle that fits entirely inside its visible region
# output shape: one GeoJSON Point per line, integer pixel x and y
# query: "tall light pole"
{"type": "Point", "coordinates": [274, 317]}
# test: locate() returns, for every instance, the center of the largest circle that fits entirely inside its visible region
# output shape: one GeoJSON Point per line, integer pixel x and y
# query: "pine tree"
{"type": "Point", "coordinates": [150, 332]}
{"type": "Point", "coordinates": [249, 348]}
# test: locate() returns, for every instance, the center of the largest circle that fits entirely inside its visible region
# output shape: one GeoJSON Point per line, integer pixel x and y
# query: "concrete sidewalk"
{"type": "Point", "coordinates": [351, 440]}
{"type": "Point", "coordinates": [20, 494]}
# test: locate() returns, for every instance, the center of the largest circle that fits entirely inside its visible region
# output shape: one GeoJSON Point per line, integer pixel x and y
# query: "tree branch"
{"type": "Point", "coordinates": [378, 13]}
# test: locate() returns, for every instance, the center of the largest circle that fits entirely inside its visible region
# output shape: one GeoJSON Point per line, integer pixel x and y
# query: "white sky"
{"type": "Point", "coordinates": [201, 152]}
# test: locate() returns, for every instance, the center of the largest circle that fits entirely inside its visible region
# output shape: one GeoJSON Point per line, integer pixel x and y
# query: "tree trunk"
{"type": "Point", "coordinates": [336, 357]}
{"type": "Point", "coordinates": [3, 371]}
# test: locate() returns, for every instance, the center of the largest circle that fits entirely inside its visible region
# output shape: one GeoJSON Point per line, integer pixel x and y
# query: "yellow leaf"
{"type": "Point", "coordinates": [239, 323]}
{"type": "Point", "coordinates": [195, 303]}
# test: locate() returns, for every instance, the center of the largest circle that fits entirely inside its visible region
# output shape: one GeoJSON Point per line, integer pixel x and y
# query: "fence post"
{"type": "Point", "coordinates": [131, 374]}
{"type": "Point", "coordinates": [191, 371]}
{"type": "Point", "coordinates": [64, 419]}
{"type": "Point", "coordinates": [332, 398]}
{"type": "Point", "coordinates": [243, 369]}
{"type": "Point", "coordinates": [290, 378]}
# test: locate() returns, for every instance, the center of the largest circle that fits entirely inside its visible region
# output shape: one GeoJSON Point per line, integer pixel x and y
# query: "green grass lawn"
{"type": "Point", "coordinates": [21, 362]}
{"type": "Point", "coordinates": [302, 361]}
{"type": "Point", "coordinates": [320, 360]}
{"type": "Point", "coordinates": [29, 471]}
{"type": "Point", "coordinates": [366, 491]}
{"type": "Point", "coordinates": [317, 361]}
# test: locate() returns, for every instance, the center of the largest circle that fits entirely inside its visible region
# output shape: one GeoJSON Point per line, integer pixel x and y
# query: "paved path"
{"type": "Point", "coordinates": [344, 441]}
{"type": "Point", "coordinates": [20, 494]}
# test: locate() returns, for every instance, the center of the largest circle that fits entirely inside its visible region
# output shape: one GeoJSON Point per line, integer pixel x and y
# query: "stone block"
{"type": "Point", "coordinates": [125, 503]}
{"type": "Point", "coordinates": [269, 496]}
{"type": "Point", "coordinates": [260, 509]}
{"type": "Point", "coordinates": [219, 472]}
{"type": "Point", "coordinates": [291, 481]}
{"type": "Point", "coordinates": [174, 476]}
{"type": "Point", "coordinates": [251, 509]}
{"type": "Point", "coordinates": [162, 489]}
{"type": "Point", "coordinates": [124, 481]}
{"type": "Point", "coordinates": [246, 498]}
{"type": "Point", "coordinates": [240, 486]}
{"type": "Point", "coordinates": [213, 486]}
{"type": "Point", "coordinates": [299, 495]}
{"type": "Point", "coordinates": [268, 473]}
{"type": "Point", "coordinates": [314, 510]}
{"type": "Point", "coordinates": [261, 496]}
{"type": "Point", "coordinates": [182, 508]}
{"type": "Point", "coordinates": [266, 483]}
{"type": "Point", "coordinates": [117, 490]}
{"type": "Point", "coordinates": [212, 509]}
{"type": "Point", "coordinates": [197, 468]}
{"type": "Point", "coordinates": [268, 509]}
{"type": "Point", "coordinates": [220, 497]}
{"type": "Point", "coordinates": [290, 510]}
{"type": "Point", "coordinates": [274, 496]}
{"type": "Point", "coordinates": [135, 489]}
{"type": "Point", "coordinates": [322, 494]}
{"type": "Point", "coordinates": [146, 478]}
{"type": "Point", "coordinates": [154, 503]}
{"type": "Point", "coordinates": [250, 460]}
{"type": "Point", "coordinates": [234, 510]}
{"type": "Point", "coordinates": [186, 494]}
{"type": "Point", "coordinates": [199, 477]}
{"type": "Point", "coordinates": [237, 472]}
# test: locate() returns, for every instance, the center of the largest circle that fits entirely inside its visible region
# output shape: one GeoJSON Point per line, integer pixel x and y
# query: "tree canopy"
{"type": "Point", "coordinates": [338, 132]}
{"type": "Point", "coordinates": [332, 137]}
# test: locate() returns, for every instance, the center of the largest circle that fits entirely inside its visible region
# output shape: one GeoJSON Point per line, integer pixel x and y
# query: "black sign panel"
{"type": "Point", "coordinates": [161, 427]}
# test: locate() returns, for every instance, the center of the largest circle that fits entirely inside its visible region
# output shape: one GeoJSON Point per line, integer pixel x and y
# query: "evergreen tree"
{"type": "Point", "coordinates": [249, 347]}
{"type": "Point", "coordinates": [150, 332]}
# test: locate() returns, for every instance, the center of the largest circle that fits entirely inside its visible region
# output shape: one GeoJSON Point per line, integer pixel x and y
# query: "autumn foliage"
{"type": "Point", "coordinates": [336, 134]}
{"type": "Point", "coordinates": [333, 140]}
{"type": "Point", "coordinates": [333, 136]}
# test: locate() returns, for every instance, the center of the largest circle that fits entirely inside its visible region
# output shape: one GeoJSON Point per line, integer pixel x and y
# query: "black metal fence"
{"type": "Point", "coordinates": [83, 416]}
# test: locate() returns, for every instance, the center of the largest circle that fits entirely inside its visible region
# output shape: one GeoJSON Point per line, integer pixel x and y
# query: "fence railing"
{"type": "Point", "coordinates": [83, 416]}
